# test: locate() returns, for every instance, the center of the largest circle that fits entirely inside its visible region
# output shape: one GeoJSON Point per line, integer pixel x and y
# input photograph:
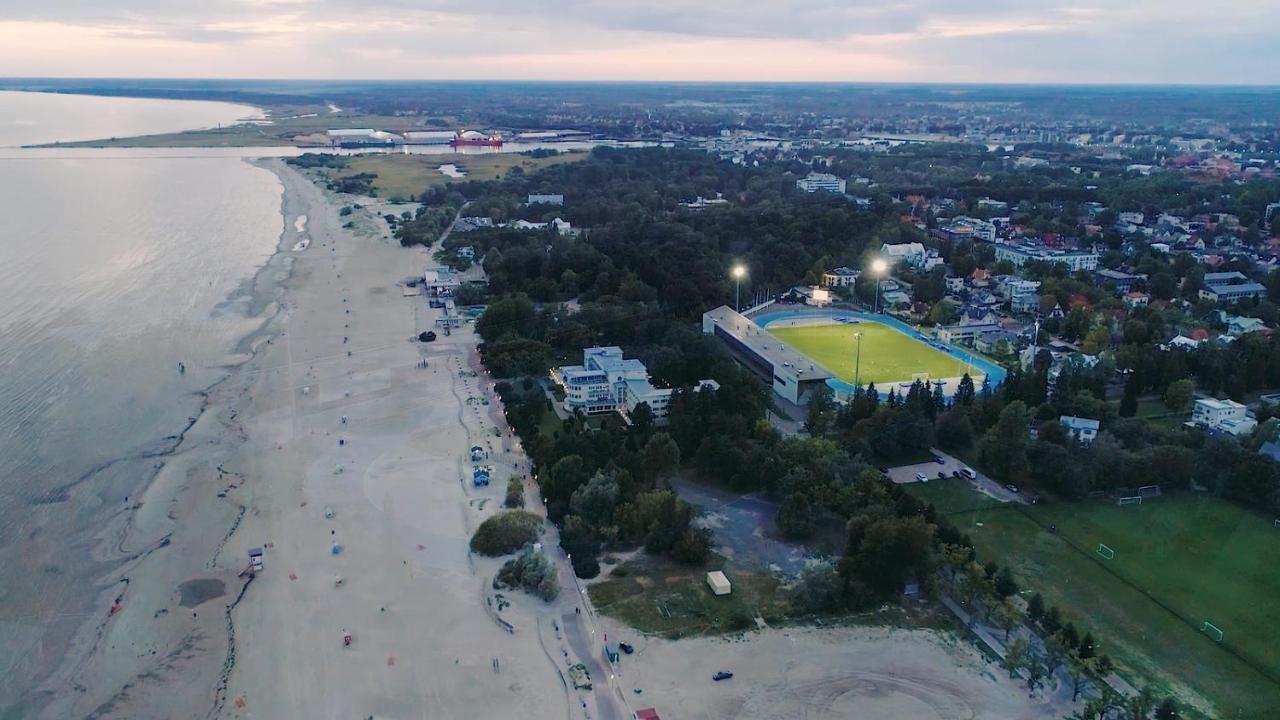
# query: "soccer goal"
{"type": "Point", "coordinates": [1129, 500]}
{"type": "Point", "coordinates": [1150, 491]}
{"type": "Point", "coordinates": [1211, 630]}
{"type": "Point", "coordinates": [1105, 552]}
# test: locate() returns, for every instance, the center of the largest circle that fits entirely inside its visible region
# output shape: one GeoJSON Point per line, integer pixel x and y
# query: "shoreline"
{"type": "Point", "coordinates": [260, 295]}
{"type": "Point", "coordinates": [255, 467]}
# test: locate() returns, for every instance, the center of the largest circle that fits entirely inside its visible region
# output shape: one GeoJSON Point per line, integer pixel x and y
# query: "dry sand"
{"type": "Point", "coordinates": [263, 466]}
{"type": "Point", "coordinates": [824, 674]}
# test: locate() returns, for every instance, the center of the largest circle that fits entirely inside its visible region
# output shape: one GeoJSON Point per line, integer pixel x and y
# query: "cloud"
{"type": "Point", "coordinates": [915, 40]}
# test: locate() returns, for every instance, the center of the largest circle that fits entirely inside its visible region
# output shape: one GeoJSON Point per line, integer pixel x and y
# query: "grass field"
{"type": "Point", "coordinates": [1180, 560]}
{"type": "Point", "coordinates": [655, 595]}
{"type": "Point", "coordinates": [887, 355]}
{"type": "Point", "coordinates": [405, 176]}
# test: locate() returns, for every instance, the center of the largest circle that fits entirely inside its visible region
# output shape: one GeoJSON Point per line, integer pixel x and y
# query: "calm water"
{"type": "Point", "coordinates": [34, 118]}
{"type": "Point", "coordinates": [112, 271]}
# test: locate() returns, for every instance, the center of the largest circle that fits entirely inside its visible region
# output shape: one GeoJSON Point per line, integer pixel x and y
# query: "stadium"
{"type": "Point", "coordinates": [801, 347]}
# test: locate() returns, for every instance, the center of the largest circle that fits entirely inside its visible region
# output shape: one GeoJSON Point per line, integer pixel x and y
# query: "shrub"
{"type": "Point", "coordinates": [531, 572]}
{"type": "Point", "coordinates": [506, 533]}
{"type": "Point", "coordinates": [515, 493]}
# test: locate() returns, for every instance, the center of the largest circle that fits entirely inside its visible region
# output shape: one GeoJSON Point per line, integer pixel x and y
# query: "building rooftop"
{"type": "Point", "coordinates": [784, 359]}
{"type": "Point", "coordinates": [1079, 423]}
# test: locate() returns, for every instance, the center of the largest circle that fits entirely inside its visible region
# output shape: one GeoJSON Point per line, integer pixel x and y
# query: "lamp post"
{"type": "Point", "coordinates": [857, 367]}
{"type": "Point", "coordinates": [738, 273]}
{"type": "Point", "coordinates": [878, 267]}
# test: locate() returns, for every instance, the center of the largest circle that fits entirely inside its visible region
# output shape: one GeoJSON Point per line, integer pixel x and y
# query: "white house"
{"type": "Point", "coordinates": [1226, 416]}
{"type": "Point", "coordinates": [1082, 430]}
{"type": "Point", "coordinates": [913, 254]}
{"type": "Point", "coordinates": [840, 277]}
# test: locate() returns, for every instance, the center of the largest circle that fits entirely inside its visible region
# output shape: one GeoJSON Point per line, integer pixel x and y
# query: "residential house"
{"type": "Point", "coordinates": [840, 277]}
{"type": "Point", "coordinates": [1225, 416]}
{"type": "Point", "coordinates": [1082, 430]}
{"type": "Point", "coordinates": [1137, 299]}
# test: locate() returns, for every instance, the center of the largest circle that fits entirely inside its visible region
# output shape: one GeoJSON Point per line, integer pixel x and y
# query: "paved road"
{"type": "Point", "coordinates": [588, 649]}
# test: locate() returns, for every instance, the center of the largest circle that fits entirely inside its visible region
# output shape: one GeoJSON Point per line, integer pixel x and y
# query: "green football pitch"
{"type": "Point", "coordinates": [887, 355]}
{"type": "Point", "coordinates": [1180, 560]}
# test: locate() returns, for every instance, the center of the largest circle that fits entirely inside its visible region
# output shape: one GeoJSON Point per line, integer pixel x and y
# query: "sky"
{"type": "Point", "coordinates": [1018, 41]}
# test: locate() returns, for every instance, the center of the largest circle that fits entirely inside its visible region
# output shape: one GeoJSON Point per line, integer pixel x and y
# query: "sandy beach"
{"type": "Point", "coordinates": [271, 463]}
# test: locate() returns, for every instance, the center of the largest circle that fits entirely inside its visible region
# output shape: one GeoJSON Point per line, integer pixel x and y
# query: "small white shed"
{"type": "Point", "coordinates": [718, 582]}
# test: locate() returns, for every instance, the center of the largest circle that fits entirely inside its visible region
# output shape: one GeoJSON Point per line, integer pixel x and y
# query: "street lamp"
{"type": "Point", "coordinates": [857, 368]}
{"type": "Point", "coordinates": [878, 268]}
{"type": "Point", "coordinates": [738, 273]}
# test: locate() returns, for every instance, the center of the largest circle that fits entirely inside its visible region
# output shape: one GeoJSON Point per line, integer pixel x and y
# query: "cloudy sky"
{"type": "Point", "coordinates": [1107, 41]}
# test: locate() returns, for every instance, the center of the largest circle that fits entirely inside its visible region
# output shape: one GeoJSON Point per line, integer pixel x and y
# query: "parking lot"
{"type": "Point", "coordinates": [949, 465]}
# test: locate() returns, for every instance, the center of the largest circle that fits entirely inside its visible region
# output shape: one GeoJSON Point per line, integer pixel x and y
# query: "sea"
{"type": "Point", "coordinates": [124, 292]}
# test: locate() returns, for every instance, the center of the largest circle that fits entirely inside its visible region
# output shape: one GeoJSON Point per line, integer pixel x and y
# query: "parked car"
{"type": "Point", "coordinates": [967, 472]}
{"type": "Point", "coordinates": [1011, 488]}
{"type": "Point", "coordinates": [722, 675]}
{"type": "Point", "coordinates": [939, 460]}
{"type": "Point", "coordinates": [626, 648]}
{"type": "Point", "coordinates": [920, 477]}
{"type": "Point", "coordinates": [942, 475]}
{"type": "Point", "coordinates": [956, 474]}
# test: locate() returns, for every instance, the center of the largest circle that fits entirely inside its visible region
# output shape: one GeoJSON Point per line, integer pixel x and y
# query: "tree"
{"type": "Point", "coordinates": [819, 588]}
{"type": "Point", "coordinates": [595, 501]}
{"type": "Point", "coordinates": [795, 517]}
{"type": "Point", "coordinates": [660, 456]}
{"type": "Point", "coordinates": [964, 391]}
{"type": "Point", "coordinates": [1004, 447]}
{"type": "Point", "coordinates": [953, 430]}
{"type": "Point", "coordinates": [1167, 709]}
{"type": "Point", "coordinates": [1007, 616]}
{"type": "Point", "coordinates": [1177, 397]}
{"type": "Point", "coordinates": [1035, 607]}
{"type": "Point", "coordinates": [1129, 400]}
{"type": "Point", "coordinates": [818, 421]}
{"type": "Point", "coordinates": [1016, 655]}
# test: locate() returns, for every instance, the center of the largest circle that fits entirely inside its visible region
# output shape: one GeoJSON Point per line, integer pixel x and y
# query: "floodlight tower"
{"type": "Point", "coordinates": [878, 268]}
{"type": "Point", "coordinates": [738, 272]}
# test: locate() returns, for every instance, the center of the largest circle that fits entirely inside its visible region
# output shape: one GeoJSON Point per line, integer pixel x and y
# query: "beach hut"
{"type": "Point", "coordinates": [718, 583]}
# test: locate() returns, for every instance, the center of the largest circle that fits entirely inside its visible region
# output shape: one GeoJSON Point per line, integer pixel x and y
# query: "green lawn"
{"type": "Point", "coordinates": [1180, 559]}
{"type": "Point", "coordinates": [887, 355]}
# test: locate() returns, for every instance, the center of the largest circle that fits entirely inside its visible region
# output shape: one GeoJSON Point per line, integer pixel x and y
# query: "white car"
{"type": "Point", "coordinates": [968, 473]}
{"type": "Point", "coordinates": [921, 477]}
